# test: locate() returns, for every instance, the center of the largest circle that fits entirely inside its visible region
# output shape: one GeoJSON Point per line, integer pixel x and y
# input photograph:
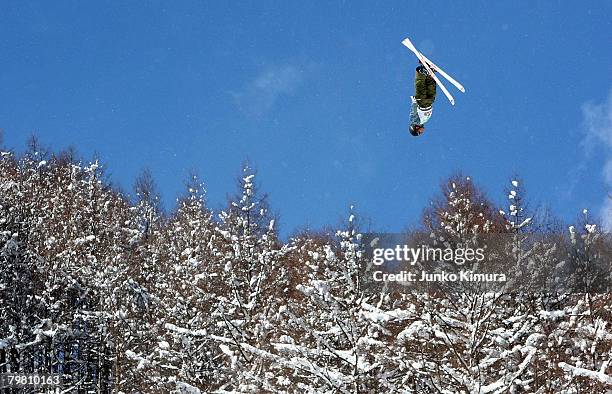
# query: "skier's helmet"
{"type": "Point", "coordinates": [416, 129]}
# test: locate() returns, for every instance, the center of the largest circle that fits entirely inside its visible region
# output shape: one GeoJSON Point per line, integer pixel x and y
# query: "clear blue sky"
{"type": "Point", "coordinates": [316, 96]}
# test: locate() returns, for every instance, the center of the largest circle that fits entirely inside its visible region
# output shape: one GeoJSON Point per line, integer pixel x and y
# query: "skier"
{"type": "Point", "coordinates": [422, 101]}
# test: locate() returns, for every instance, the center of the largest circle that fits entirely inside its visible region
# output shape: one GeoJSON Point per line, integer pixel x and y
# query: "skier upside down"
{"type": "Point", "coordinates": [422, 101]}
{"type": "Point", "coordinates": [425, 84]}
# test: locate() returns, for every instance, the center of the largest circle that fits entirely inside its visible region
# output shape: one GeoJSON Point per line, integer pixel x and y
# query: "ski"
{"type": "Point", "coordinates": [445, 75]}
{"type": "Point", "coordinates": [409, 45]}
{"type": "Point", "coordinates": [428, 64]}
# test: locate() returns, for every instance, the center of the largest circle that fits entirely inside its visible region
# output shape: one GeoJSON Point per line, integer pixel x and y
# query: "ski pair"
{"type": "Point", "coordinates": [428, 65]}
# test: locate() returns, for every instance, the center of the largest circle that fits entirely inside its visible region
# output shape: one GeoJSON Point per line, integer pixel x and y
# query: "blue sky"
{"type": "Point", "coordinates": [316, 96]}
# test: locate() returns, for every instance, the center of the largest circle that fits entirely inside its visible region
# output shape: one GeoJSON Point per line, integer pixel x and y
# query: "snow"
{"type": "Point", "coordinates": [492, 387]}
{"type": "Point", "coordinates": [184, 388]}
{"type": "Point", "coordinates": [378, 315]}
{"type": "Point", "coordinates": [142, 362]}
{"type": "Point", "coordinates": [185, 331]}
{"type": "Point", "coordinates": [416, 329]}
{"type": "Point", "coordinates": [534, 339]}
{"type": "Point", "coordinates": [594, 375]}
{"type": "Point", "coordinates": [84, 240]}
{"type": "Point", "coordinates": [6, 342]}
{"type": "Point", "coordinates": [551, 315]}
{"type": "Point", "coordinates": [226, 350]}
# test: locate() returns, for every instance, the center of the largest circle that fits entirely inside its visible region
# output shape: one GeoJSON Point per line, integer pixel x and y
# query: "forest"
{"type": "Point", "coordinates": [116, 295]}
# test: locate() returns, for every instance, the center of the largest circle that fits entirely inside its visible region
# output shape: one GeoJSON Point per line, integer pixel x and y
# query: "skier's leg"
{"type": "Point", "coordinates": [422, 88]}
{"type": "Point", "coordinates": [431, 90]}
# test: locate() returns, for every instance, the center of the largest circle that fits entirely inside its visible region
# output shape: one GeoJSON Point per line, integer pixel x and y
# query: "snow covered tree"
{"type": "Point", "coordinates": [56, 207]}
{"type": "Point", "coordinates": [462, 209]}
{"type": "Point", "coordinates": [250, 254]}
{"type": "Point", "coordinates": [19, 309]}
{"type": "Point", "coordinates": [589, 254]}
{"type": "Point", "coordinates": [186, 354]}
{"type": "Point", "coordinates": [331, 335]}
{"type": "Point", "coordinates": [148, 205]}
{"type": "Point", "coordinates": [119, 297]}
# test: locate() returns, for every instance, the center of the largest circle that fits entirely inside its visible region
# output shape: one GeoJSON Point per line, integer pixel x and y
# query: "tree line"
{"type": "Point", "coordinates": [117, 296]}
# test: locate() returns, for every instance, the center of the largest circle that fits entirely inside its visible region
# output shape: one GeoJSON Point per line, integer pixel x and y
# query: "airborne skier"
{"type": "Point", "coordinates": [425, 84]}
{"type": "Point", "coordinates": [422, 101]}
